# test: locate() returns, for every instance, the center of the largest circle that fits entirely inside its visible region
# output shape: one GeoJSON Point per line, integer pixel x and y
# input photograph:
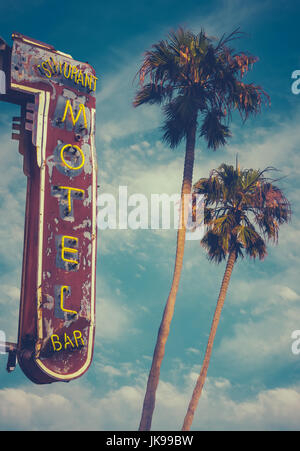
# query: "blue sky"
{"type": "Point", "coordinates": [253, 379]}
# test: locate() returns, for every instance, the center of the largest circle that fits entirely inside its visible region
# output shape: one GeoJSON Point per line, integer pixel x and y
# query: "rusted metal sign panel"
{"type": "Point", "coordinates": [57, 310]}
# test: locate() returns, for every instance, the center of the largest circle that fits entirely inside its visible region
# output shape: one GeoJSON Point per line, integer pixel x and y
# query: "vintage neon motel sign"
{"type": "Point", "coordinates": [57, 307]}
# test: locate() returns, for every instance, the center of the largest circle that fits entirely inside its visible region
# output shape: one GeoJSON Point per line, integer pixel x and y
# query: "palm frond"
{"type": "Point", "coordinates": [212, 129]}
{"type": "Point", "coordinates": [152, 94]}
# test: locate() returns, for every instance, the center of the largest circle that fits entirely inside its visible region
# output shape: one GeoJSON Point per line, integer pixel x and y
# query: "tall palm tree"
{"type": "Point", "coordinates": [243, 210]}
{"type": "Point", "coordinates": [198, 81]}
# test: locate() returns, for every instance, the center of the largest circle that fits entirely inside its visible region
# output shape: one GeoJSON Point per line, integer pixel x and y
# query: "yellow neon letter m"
{"type": "Point", "coordinates": [74, 119]}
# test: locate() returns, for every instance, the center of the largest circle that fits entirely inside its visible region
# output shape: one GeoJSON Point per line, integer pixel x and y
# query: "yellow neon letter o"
{"type": "Point", "coordinates": [64, 161]}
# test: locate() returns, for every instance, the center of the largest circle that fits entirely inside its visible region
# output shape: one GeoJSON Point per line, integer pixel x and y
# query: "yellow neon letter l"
{"type": "Point", "coordinates": [62, 301]}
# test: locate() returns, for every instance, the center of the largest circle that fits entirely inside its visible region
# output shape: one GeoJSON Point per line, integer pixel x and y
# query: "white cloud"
{"type": "Point", "coordinates": [229, 15]}
{"type": "Point", "coordinates": [262, 336]}
{"type": "Point", "coordinates": [77, 407]}
{"type": "Point", "coordinates": [113, 319]}
{"type": "Point", "coordinates": [267, 410]}
{"type": "Point", "coordinates": [116, 116]}
{"type": "Point", "coordinates": [193, 351]}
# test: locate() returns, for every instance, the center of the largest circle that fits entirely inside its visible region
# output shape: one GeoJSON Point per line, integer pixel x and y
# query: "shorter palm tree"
{"type": "Point", "coordinates": [243, 210]}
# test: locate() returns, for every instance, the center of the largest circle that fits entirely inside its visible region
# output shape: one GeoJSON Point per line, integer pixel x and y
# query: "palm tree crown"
{"type": "Point", "coordinates": [243, 209]}
{"type": "Point", "coordinates": [193, 74]}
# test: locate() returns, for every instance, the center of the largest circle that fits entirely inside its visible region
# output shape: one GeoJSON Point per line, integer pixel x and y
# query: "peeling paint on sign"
{"type": "Point", "coordinates": [57, 311]}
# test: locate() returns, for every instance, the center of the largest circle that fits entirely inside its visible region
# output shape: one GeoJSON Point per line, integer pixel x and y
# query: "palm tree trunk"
{"type": "Point", "coordinates": [202, 376]}
{"type": "Point", "coordinates": [163, 333]}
